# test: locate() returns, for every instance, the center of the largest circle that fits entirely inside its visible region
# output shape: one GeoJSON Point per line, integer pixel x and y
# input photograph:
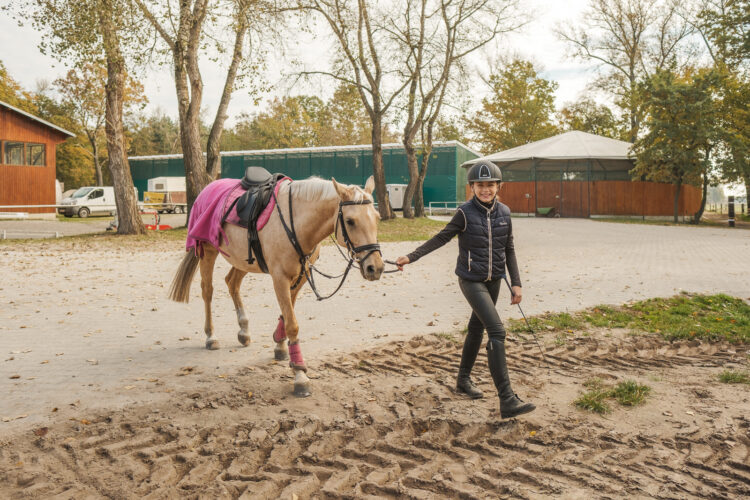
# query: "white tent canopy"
{"type": "Point", "coordinates": [566, 146]}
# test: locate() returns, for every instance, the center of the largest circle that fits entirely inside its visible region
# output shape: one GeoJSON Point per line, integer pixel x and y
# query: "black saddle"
{"type": "Point", "coordinates": [258, 183]}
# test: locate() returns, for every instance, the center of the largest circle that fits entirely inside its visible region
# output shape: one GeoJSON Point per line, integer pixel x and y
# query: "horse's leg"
{"type": "Point", "coordinates": [280, 352]}
{"type": "Point", "coordinates": [207, 287]}
{"type": "Point", "coordinates": [234, 280]}
{"type": "Point", "coordinates": [284, 296]}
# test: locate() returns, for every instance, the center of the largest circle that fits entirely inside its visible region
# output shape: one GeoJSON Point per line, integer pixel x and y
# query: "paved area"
{"type": "Point", "coordinates": [31, 228]}
{"type": "Point", "coordinates": [91, 326]}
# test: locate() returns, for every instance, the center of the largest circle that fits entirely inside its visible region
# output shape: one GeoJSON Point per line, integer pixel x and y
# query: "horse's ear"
{"type": "Point", "coordinates": [345, 193]}
{"type": "Point", "coordinates": [370, 185]}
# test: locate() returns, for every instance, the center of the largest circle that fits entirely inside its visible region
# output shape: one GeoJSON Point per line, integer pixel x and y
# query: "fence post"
{"type": "Point", "coordinates": [730, 210]}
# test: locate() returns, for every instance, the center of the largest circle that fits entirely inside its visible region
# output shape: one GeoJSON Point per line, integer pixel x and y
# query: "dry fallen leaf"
{"type": "Point", "coordinates": [13, 377]}
{"type": "Point", "coordinates": [42, 431]}
{"type": "Point", "coordinates": [250, 394]}
{"type": "Point", "coordinates": [85, 422]}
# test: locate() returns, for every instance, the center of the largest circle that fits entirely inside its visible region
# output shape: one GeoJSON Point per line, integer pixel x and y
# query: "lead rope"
{"type": "Point", "coordinates": [528, 325]}
{"type": "Point", "coordinates": [305, 258]}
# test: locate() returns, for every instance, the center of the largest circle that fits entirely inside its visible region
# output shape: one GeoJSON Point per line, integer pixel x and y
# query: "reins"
{"type": "Point", "coordinates": [307, 268]}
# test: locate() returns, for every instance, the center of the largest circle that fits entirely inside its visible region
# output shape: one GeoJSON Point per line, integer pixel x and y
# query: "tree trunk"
{"type": "Point", "coordinates": [97, 164]}
{"type": "Point", "coordinates": [419, 195]}
{"type": "Point", "coordinates": [411, 187]}
{"type": "Point", "coordinates": [677, 200]}
{"type": "Point", "coordinates": [699, 213]}
{"type": "Point", "coordinates": [196, 176]}
{"type": "Point", "coordinates": [128, 219]}
{"type": "Point", "coordinates": [213, 153]}
{"type": "Point", "coordinates": [384, 205]}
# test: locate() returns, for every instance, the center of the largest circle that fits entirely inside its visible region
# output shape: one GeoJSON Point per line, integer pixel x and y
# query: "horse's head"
{"type": "Point", "coordinates": [357, 227]}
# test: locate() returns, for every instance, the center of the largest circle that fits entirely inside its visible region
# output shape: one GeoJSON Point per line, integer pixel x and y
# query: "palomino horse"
{"type": "Point", "coordinates": [319, 208]}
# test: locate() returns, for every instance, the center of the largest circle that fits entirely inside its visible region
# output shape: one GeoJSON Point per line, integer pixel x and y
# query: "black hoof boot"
{"type": "Point", "coordinates": [513, 407]}
{"type": "Point", "coordinates": [466, 386]}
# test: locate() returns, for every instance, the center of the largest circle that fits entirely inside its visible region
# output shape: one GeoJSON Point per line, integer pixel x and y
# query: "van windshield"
{"type": "Point", "coordinates": [82, 192]}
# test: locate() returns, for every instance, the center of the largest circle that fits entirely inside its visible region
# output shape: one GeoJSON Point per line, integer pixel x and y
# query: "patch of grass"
{"type": "Point", "coordinates": [627, 393]}
{"type": "Point", "coordinates": [734, 377]}
{"type": "Point", "coordinates": [89, 219]}
{"type": "Point", "coordinates": [104, 238]}
{"type": "Point", "coordinates": [685, 316]}
{"type": "Point", "coordinates": [708, 317]}
{"type": "Point", "coordinates": [448, 336]}
{"type": "Point", "coordinates": [607, 317]}
{"type": "Point", "coordinates": [630, 393]}
{"type": "Point", "coordinates": [593, 400]}
{"type": "Point", "coordinates": [400, 229]}
{"type": "Point", "coordinates": [548, 321]}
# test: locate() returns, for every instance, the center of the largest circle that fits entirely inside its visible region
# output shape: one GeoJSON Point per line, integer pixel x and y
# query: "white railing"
{"type": "Point", "coordinates": [30, 234]}
{"type": "Point", "coordinates": [443, 206]}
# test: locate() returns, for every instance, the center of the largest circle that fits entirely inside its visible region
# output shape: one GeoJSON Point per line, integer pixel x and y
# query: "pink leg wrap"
{"type": "Point", "coordinates": [280, 333]}
{"type": "Point", "coordinates": [295, 357]}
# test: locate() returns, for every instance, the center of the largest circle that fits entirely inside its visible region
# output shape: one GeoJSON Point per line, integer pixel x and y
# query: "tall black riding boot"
{"type": "Point", "coordinates": [472, 343]}
{"type": "Point", "coordinates": [510, 404]}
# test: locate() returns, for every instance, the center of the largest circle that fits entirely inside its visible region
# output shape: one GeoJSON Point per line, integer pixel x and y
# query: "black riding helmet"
{"type": "Point", "coordinates": [484, 171]}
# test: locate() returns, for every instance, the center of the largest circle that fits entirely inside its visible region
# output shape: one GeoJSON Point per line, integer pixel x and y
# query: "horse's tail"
{"type": "Point", "coordinates": [179, 291]}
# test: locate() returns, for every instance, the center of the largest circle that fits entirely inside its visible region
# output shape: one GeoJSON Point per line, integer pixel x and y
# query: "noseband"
{"type": "Point", "coordinates": [353, 251]}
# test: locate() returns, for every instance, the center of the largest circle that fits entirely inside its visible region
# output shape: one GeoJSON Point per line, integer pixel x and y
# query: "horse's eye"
{"type": "Point", "coordinates": [350, 222]}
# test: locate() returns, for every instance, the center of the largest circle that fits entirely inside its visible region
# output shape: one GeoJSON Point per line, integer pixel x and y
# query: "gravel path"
{"type": "Point", "coordinates": [86, 326]}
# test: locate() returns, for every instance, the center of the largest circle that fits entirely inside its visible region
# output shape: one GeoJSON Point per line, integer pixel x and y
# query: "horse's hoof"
{"type": "Point", "coordinates": [244, 339]}
{"type": "Point", "coordinates": [212, 344]}
{"type": "Point", "coordinates": [302, 390]}
{"type": "Point", "coordinates": [280, 354]}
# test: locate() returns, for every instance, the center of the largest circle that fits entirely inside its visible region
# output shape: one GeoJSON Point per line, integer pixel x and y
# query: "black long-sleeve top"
{"type": "Point", "coordinates": [456, 225]}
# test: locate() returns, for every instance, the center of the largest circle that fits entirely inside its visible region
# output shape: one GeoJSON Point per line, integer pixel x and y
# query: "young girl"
{"type": "Point", "coordinates": [485, 243]}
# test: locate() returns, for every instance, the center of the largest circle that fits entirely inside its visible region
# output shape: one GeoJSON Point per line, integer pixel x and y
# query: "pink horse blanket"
{"type": "Point", "coordinates": [209, 209]}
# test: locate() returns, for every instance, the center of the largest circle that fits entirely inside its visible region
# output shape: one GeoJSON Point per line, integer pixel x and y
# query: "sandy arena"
{"type": "Point", "coordinates": [108, 390]}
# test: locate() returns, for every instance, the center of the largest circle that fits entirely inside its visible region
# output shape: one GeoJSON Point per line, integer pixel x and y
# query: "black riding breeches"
{"type": "Point", "coordinates": [482, 297]}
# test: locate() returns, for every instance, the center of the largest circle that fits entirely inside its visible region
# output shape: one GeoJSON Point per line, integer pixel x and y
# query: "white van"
{"type": "Point", "coordinates": [90, 200]}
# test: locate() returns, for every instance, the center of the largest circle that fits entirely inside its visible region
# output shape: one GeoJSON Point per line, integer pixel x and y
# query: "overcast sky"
{"type": "Point", "coordinates": [21, 56]}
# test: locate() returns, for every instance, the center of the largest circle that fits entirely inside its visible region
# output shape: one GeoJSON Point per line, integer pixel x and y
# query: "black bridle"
{"type": "Point", "coordinates": [307, 267]}
{"type": "Point", "coordinates": [353, 251]}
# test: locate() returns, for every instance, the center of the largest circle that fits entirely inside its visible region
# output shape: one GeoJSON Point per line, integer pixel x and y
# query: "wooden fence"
{"type": "Point", "coordinates": [584, 199]}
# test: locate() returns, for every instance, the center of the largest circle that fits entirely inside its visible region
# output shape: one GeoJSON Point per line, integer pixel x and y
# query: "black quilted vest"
{"type": "Point", "coordinates": [481, 246]}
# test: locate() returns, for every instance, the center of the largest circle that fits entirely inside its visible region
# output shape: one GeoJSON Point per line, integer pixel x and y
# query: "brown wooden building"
{"type": "Point", "coordinates": [27, 160]}
{"type": "Point", "coordinates": [583, 175]}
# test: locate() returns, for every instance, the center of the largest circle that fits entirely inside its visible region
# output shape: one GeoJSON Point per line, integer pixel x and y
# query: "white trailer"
{"type": "Point", "coordinates": [166, 184]}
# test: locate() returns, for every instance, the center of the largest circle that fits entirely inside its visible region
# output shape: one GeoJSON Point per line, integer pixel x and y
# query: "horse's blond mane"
{"type": "Point", "coordinates": [316, 189]}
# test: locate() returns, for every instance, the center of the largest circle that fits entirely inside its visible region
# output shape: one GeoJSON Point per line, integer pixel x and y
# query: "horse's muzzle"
{"type": "Point", "coordinates": [372, 266]}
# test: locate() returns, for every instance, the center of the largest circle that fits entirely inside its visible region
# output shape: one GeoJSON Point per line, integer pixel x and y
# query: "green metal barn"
{"type": "Point", "coordinates": [348, 164]}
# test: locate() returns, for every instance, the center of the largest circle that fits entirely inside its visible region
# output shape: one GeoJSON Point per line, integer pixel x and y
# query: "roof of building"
{"type": "Point", "coordinates": [566, 146]}
{"type": "Point", "coordinates": [318, 149]}
{"type": "Point", "coordinates": [36, 119]}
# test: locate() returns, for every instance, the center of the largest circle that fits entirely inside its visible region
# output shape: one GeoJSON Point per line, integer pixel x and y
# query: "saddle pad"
{"type": "Point", "coordinates": [209, 208]}
{"type": "Point", "coordinates": [232, 218]}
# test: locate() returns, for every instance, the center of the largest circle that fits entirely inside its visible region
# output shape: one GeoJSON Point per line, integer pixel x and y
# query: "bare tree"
{"type": "Point", "coordinates": [435, 37]}
{"type": "Point", "coordinates": [365, 61]}
{"type": "Point", "coordinates": [632, 39]}
{"type": "Point", "coordinates": [88, 31]}
{"type": "Point", "coordinates": [183, 31]}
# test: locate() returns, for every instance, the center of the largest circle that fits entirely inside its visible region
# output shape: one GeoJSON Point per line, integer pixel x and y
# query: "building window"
{"type": "Point", "coordinates": [35, 154]}
{"type": "Point", "coordinates": [13, 153]}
